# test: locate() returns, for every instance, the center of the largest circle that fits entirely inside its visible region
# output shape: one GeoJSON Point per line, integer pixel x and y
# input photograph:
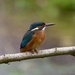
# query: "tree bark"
{"type": "Point", "coordinates": [6, 58]}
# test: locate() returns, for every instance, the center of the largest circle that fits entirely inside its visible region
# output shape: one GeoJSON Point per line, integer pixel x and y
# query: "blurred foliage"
{"type": "Point", "coordinates": [66, 6]}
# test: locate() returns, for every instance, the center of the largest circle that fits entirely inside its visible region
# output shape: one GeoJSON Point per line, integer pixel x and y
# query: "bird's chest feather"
{"type": "Point", "coordinates": [39, 36]}
{"type": "Point", "coordinates": [37, 39]}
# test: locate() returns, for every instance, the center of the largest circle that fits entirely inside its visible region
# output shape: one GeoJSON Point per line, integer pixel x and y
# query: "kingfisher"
{"type": "Point", "coordinates": [34, 37]}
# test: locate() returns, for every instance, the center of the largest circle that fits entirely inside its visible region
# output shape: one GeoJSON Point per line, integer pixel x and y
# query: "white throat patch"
{"type": "Point", "coordinates": [43, 28]}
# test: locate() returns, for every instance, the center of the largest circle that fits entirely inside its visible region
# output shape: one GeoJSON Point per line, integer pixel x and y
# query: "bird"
{"type": "Point", "coordinates": [34, 37]}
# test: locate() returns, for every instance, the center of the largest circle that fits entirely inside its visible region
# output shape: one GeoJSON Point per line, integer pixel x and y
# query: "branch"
{"type": "Point", "coordinates": [41, 54]}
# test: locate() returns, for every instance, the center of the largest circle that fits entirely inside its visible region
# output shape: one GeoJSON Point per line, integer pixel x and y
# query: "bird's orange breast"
{"type": "Point", "coordinates": [36, 40]}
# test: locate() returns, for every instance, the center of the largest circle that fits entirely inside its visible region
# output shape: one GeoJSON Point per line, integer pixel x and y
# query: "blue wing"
{"type": "Point", "coordinates": [27, 37]}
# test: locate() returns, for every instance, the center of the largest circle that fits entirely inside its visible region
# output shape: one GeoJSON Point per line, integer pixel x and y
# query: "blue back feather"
{"type": "Point", "coordinates": [27, 37]}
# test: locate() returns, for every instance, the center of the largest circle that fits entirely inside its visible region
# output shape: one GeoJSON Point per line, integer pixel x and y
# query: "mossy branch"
{"type": "Point", "coordinates": [41, 54]}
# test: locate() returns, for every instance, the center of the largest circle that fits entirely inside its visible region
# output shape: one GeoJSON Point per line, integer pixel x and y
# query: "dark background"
{"type": "Point", "coordinates": [16, 17]}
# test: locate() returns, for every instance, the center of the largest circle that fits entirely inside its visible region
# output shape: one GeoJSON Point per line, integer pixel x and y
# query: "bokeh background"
{"type": "Point", "coordinates": [16, 17]}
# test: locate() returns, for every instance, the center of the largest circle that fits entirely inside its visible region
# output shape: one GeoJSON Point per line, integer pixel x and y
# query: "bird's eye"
{"type": "Point", "coordinates": [42, 24]}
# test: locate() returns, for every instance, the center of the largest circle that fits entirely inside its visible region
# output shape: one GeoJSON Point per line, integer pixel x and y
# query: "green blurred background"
{"type": "Point", "coordinates": [16, 17]}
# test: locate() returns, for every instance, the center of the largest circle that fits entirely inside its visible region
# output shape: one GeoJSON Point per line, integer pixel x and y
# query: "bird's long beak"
{"type": "Point", "coordinates": [49, 24]}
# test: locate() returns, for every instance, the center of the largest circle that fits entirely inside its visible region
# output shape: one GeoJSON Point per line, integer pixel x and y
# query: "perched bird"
{"type": "Point", "coordinates": [34, 37]}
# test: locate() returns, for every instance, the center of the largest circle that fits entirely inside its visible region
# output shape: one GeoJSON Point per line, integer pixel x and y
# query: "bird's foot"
{"type": "Point", "coordinates": [33, 51]}
{"type": "Point", "coordinates": [36, 51]}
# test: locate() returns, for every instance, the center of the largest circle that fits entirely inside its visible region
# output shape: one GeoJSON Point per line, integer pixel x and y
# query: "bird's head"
{"type": "Point", "coordinates": [39, 26]}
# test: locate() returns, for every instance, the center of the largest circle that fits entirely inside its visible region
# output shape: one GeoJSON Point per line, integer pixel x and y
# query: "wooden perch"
{"type": "Point", "coordinates": [41, 54]}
